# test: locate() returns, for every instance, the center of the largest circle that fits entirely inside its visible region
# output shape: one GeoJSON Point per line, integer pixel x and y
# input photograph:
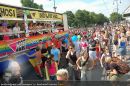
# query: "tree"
{"type": "Point", "coordinates": [86, 18]}
{"type": "Point", "coordinates": [82, 18]}
{"type": "Point", "coordinates": [92, 17]}
{"type": "Point", "coordinates": [115, 17]}
{"type": "Point", "coordinates": [71, 18]}
{"type": "Point", "coordinates": [31, 4]}
{"type": "Point", "coordinates": [41, 6]}
{"type": "Point", "coordinates": [101, 19]}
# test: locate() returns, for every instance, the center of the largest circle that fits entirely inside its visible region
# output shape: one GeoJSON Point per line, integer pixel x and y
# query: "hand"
{"type": "Point", "coordinates": [102, 66]}
{"type": "Point", "coordinates": [58, 63]}
{"type": "Point", "coordinates": [69, 51]}
{"type": "Point", "coordinates": [80, 68]}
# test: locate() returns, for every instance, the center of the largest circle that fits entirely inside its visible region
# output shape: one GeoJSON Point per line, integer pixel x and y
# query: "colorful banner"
{"type": "Point", "coordinates": [61, 35]}
{"type": "Point", "coordinates": [4, 48]}
{"type": "Point", "coordinates": [7, 12]}
{"type": "Point", "coordinates": [32, 41]}
{"type": "Point", "coordinates": [20, 44]}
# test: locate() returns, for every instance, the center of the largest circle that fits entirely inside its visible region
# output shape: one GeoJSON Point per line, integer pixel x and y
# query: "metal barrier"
{"type": "Point", "coordinates": [11, 33]}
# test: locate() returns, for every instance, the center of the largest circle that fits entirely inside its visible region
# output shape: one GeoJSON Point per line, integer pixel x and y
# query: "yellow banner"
{"type": "Point", "coordinates": [34, 14]}
{"type": "Point", "coordinates": [50, 16]}
{"type": "Point", "coordinates": [7, 12]}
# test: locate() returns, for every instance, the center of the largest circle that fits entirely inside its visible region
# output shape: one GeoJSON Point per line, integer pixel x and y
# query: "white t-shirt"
{"type": "Point", "coordinates": [10, 30]}
{"type": "Point", "coordinates": [16, 30]}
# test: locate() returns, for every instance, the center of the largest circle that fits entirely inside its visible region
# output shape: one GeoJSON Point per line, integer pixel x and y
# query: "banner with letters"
{"type": "Point", "coordinates": [8, 12]}
{"type": "Point", "coordinates": [45, 15]}
{"type": "Point", "coordinates": [50, 16]}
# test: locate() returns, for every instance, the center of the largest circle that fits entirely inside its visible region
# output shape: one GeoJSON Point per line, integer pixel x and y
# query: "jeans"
{"type": "Point", "coordinates": [73, 73]}
{"type": "Point", "coordinates": [83, 75]}
{"type": "Point", "coordinates": [53, 77]}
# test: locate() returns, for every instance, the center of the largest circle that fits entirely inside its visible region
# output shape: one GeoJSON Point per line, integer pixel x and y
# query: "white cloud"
{"type": "Point", "coordinates": [11, 2]}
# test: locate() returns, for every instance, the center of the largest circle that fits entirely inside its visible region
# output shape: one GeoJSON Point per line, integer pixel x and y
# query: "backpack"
{"type": "Point", "coordinates": [124, 67]}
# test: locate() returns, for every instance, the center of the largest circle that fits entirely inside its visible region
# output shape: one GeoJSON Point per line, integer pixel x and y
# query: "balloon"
{"type": "Point", "coordinates": [74, 38]}
{"type": "Point", "coordinates": [79, 37]}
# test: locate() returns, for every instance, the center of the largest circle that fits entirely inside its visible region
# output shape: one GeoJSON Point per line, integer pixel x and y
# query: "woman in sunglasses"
{"type": "Point", "coordinates": [72, 58]}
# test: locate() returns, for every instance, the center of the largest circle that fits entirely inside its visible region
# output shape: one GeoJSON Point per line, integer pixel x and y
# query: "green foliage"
{"type": "Point", "coordinates": [115, 17]}
{"type": "Point", "coordinates": [31, 4]}
{"type": "Point", "coordinates": [101, 19]}
{"type": "Point", "coordinates": [71, 18]}
{"type": "Point", "coordinates": [83, 18]}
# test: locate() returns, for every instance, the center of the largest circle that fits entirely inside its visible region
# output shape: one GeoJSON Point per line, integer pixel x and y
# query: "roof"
{"type": "Point", "coordinates": [126, 13]}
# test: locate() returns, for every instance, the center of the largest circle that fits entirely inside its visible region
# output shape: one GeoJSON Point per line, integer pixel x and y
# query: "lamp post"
{"type": "Point", "coordinates": [117, 8]}
{"type": "Point", "coordinates": [54, 3]}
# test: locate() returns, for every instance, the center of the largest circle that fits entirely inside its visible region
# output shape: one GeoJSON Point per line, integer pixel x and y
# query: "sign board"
{"type": "Point", "coordinates": [34, 14]}
{"type": "Point", "coordinates": [45, 15]}
{"type": "Point", "coordinates": [12, 12]}
{"type": "Point", "coordinates": [7, 12]}
{"type": "Point", "coordinates": [49, 16]}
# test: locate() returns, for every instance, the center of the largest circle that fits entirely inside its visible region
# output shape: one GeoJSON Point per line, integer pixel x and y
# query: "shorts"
{"type": "Point", "coordinates": [98, 55]}
{"type": "Point", "coordinates": [122, 51]}
{"type": "Point", "coordinates": [92, 54]}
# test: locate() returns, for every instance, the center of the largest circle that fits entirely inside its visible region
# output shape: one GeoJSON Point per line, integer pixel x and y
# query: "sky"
{"type": "Point", "coordinates": [98, 6]}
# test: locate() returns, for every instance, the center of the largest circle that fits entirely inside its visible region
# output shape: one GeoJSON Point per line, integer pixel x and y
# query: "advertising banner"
{"type": "Point", "coordinates": [12, 12]}
{"type": "Point", "coordinates": [7, 12]}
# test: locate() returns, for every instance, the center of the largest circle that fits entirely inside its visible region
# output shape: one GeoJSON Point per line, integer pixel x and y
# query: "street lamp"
{"type": "Point", "coordinates": [117, 4]}
{"type": "Point", "coordinates": [54, 5]}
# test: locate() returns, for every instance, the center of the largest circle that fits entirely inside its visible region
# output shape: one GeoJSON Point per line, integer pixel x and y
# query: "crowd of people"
{"type": "Point", "coordinates": [74, 57]}
{"type": "Point", "coordinates": [17, 30]}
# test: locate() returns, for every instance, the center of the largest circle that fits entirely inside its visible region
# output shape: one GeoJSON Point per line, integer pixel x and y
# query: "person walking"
{"type": "Point", "coordinates": [86, 66]}
{"type": "Point", "coordinates": [72, 69]}
{"type": "Point", "coordinates": [51, 68]}
{"type": "Point", "coordinates": [56, 52]}
{"type": "Point", "coordinates": [122, 47]}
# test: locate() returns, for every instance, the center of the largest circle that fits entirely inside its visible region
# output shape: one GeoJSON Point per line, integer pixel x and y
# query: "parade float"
{"type": "Point", "coordinates": [19, 46]}
{"type": "Point", "coordinates": [26, 14]}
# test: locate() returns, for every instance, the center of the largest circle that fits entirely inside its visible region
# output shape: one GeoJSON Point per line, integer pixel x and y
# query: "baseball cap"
{"type": "Point", "coordinates": [4, 24]}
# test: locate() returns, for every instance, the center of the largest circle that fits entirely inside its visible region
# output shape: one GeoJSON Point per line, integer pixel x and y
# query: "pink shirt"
{"type": "Point", "coordinates": [52, 69]}
{"type": "Point", "coordinates": [84, 45]}
{"type": "Point", "coordinates": [5, 37]}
